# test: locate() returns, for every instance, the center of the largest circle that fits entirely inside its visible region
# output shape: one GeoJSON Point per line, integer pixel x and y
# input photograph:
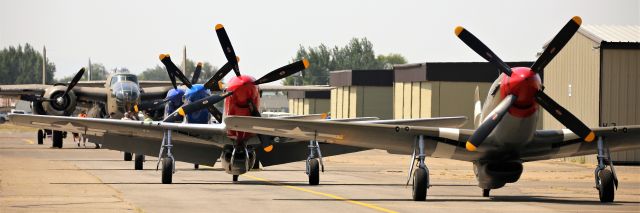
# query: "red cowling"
{"type": "Point", "coordinates": [523, 83]}
{"type": "Point", "coordinates": [238, 104]}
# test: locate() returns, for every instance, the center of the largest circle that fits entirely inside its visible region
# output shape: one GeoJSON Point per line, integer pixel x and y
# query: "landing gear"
{"type": "Point", "coordinates": [196, 166]}
{"type": "Point", "coordinates": [40, 137]}
{"type": "Point", "coordinates": [57, 139]}
{"type": "Point", "coordinates": [167, 170]}
{"type": "Point", "coordinates": [139, 162]}
{"type": "Point", "coordinates": [168, 162]}
{"type": "Point", "coordinates": [485, 192]}
{"type": "Point", "coordinates": [606, 179]}
{"type": "Point", "coordinates": [421, 175]}
{"type": "Point", "coordinates": [235, 178]}
{"type": "Point", "coordinates": [314, 164]}
{"type": "Point", "coordinates": [128, 156]}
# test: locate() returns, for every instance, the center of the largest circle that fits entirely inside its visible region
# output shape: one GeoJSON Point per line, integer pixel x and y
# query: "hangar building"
{"type": "Point", "coordinates": [595, 76]}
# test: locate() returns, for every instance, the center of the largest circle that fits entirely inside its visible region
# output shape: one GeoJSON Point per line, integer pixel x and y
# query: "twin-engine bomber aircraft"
{"type": "Point", "coordinates": [505, 135]}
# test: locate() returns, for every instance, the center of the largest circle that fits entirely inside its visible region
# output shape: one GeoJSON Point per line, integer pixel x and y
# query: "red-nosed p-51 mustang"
{"type": "Point", "coordinates": [505, 136]}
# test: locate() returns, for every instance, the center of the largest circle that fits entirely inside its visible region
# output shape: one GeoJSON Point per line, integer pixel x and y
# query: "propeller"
{"type": "Point", "coordinates": [213, 83]}
{"type": "Point", "coordinates": [215, 113]}
{"type": "Point", "coordinates": [227, 48]}
{"type": "Point", "coordinates": [560, 113]}
{"type": "Point", "coordinates": [173, 70]}
{"type": "Point", "coordinates": [74, 81]}
{"type": "Point", "coordinates": [195, 106]}
{"type": "Point", "coordinates": [266, 141]}
{"type": "Point", "coordinates": [196, 73]}
{"type": "Point", "coordinates": [490, 123]}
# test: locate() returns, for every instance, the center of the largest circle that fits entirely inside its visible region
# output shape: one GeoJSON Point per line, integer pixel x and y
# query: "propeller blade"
{"type": "Point", "coordinates": [283, 72]}
{"type": "Point", "coordinates": [196, 73]}
{"type": "Point", "coordinates": [557, 43]}
{"type": "Point", "coordinates": [213, 82]}
{"type": "Point", "coordinates": [195, 106]}
{"type": "Point", "coordinates": [265, 140]}
{"type": "Point", "coordinates": [565, 117]}
{"type": "Point", "coordinates": [149, 105]}
{"type": "Point", "coordinates": [476, 45]}
{"type": "Point", "coordinates": [74, 81]}
{"type": "Point", "coordinates": [215, 113]}
{"type": "Point", "coordinates": [171, 76]}
{"type": "Point", "coordinates": [229, 53]}
{"type": "Point", "coordinates": [490, 123]}
{"type": "Point", "coordinates": [172, 68]}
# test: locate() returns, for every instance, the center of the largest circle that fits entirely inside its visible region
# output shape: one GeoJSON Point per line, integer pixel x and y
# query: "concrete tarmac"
{"type": "Point", "coordinates": [37, 178]}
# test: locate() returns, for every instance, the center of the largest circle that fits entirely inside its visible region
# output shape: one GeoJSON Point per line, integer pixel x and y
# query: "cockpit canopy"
{"type": "Point", "coordinates": [124, 77]}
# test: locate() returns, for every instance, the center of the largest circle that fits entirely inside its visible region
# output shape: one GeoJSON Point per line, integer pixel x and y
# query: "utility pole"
{"type": "Point", "coordinates": [44, 65]}
{"type": "Point", "coordinates": [89, 76]}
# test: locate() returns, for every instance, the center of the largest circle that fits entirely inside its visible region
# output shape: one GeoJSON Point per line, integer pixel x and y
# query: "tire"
{"type": "Point", "coordinates": [167, 170]}
{"type": "Point", "coordinates": [314, 172]}
{"type": "Point", "coordinates": [139, 162]}
{"type": "Point", "coordinates": [486, 192]}
{"type": "Point", "coordinates": [420, 184]}
{"type": "Point", "coordinates": [40, 137]}
{"type": "Point", "coordinates": [128, 156]}
{"type": "Point", "coordinates": [607, 188]}
{"type": "Point", "coordinates": [235, 178]}
{"type": "Point", "coordinates": [196, 166]}
{"type": "Point", "coordinates": [57, 139]}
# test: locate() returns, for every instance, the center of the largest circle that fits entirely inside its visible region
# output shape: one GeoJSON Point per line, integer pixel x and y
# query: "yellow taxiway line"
{"type": "Point", "coordinates": [28, 141]}
{"type": "Point", "coordinates": [332, 196]}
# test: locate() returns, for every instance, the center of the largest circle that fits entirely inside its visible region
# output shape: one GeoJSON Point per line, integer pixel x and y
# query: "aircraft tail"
{"type": "Point", "coordinates": [477, 108]}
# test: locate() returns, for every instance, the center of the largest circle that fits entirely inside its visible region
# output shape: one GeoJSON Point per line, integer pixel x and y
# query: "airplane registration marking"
{"type": "Point", "coordinates": [449, 133]}
{"type": "Point", "coordinates": [332, 196]}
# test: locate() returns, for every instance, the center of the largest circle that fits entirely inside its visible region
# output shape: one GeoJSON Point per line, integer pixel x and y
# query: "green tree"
{"type": "Point", "coordinates": [357, 54]}
{"type": "Point", "coordinates": [23, 65]}
{"type": "Point", "coordinates": [390, 59]}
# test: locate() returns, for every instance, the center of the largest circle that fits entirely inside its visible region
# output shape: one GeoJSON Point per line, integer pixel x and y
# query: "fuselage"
{"type": "Point", "coordinates": [517, 127]}
{"type": "Point", "coordinates": [124, 94]}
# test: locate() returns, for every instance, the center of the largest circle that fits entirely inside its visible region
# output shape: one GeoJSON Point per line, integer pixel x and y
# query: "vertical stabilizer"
{"type": "Point", "coordinates": [477, 108]}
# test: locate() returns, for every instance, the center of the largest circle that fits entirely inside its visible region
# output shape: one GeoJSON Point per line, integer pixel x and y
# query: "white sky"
{"type": "Point", "coordinates": [266, 34]}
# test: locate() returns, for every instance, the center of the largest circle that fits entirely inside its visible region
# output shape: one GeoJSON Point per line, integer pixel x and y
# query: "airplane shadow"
{"type": "Point", "coordinates": [60, 204]}
{"type": "Point", "coordinates": [501, 198]}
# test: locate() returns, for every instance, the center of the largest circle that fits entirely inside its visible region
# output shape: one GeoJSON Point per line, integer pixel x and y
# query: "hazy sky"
{"type": "Point", "coordinates": [266, 34]}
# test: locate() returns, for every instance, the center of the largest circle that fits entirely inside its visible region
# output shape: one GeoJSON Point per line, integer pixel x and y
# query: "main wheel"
{"type": "Point", "coordinates": [314, 172]}
{"type": "Point", "coordinates": [167, 170]}
{"type": "Point", "coordinates": [607, 188]}
{"type": "Point", "coordinates": [196, 166]}
{"type": "Point", "coordinates": [128, 156]}
{"type": "Point", "coordinates": [235, 178]}
{"type": "Point", "coordinates": [139, 162]}
{"type": "Point", "coordinates": [420, 184]}
{"type": "Point", "coordinates": [485, 192]}
{"type": "Point", "coordinates": [40, 137]}
{"type": "Point", "coordinates": [57, 139]}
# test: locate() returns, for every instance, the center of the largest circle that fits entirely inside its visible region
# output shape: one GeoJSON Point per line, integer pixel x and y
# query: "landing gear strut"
{"type": "Point", "coordinates": [314, 164]}
{"type": "Point", "coordinates": [421, 174]}
{"type": "Point", "coordinates": [606, 179]}
{"type": "Point", "coordinates": [168, 162]}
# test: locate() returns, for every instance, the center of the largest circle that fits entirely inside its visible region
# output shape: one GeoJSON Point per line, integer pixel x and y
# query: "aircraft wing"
{"type": "Point", "coordinates": [549, 144]}
{"type": "Point", "coordinates": [398, 139]}
{"type": "Point", "coordinates": [268, 87]}
{"type": "Point", "coordinates": [193, 143]}
{"type": "Point", "coordinates": [22, 89]}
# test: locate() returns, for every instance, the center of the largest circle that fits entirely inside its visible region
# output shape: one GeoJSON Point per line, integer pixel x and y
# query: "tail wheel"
{"type": "Point", "coordinates": [57, 139]}
{"type": "Point", "coordinates": [607, 188]}
{"type": "Point", "coordinates": [420, 184]}
{"type": "Point", "coordinates": [139, 162]}
{"type": "Point", "coordinates": [167, 170]}
{"type": "Point", "coordinates": [314, 172]}
{"type": "Point", "coordinates": [40, 137]}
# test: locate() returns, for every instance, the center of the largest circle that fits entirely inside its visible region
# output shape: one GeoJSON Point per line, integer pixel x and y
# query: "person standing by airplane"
{"type": "Point", "coordinates": [76, 136]}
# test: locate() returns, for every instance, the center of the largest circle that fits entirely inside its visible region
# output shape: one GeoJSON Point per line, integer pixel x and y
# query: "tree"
{"type": "Point", "coordinates": [392, 58]}
{"type": "Point", "coordinates": [23, 65]}
{"type": "Point", "coordinates": [357, 54]}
